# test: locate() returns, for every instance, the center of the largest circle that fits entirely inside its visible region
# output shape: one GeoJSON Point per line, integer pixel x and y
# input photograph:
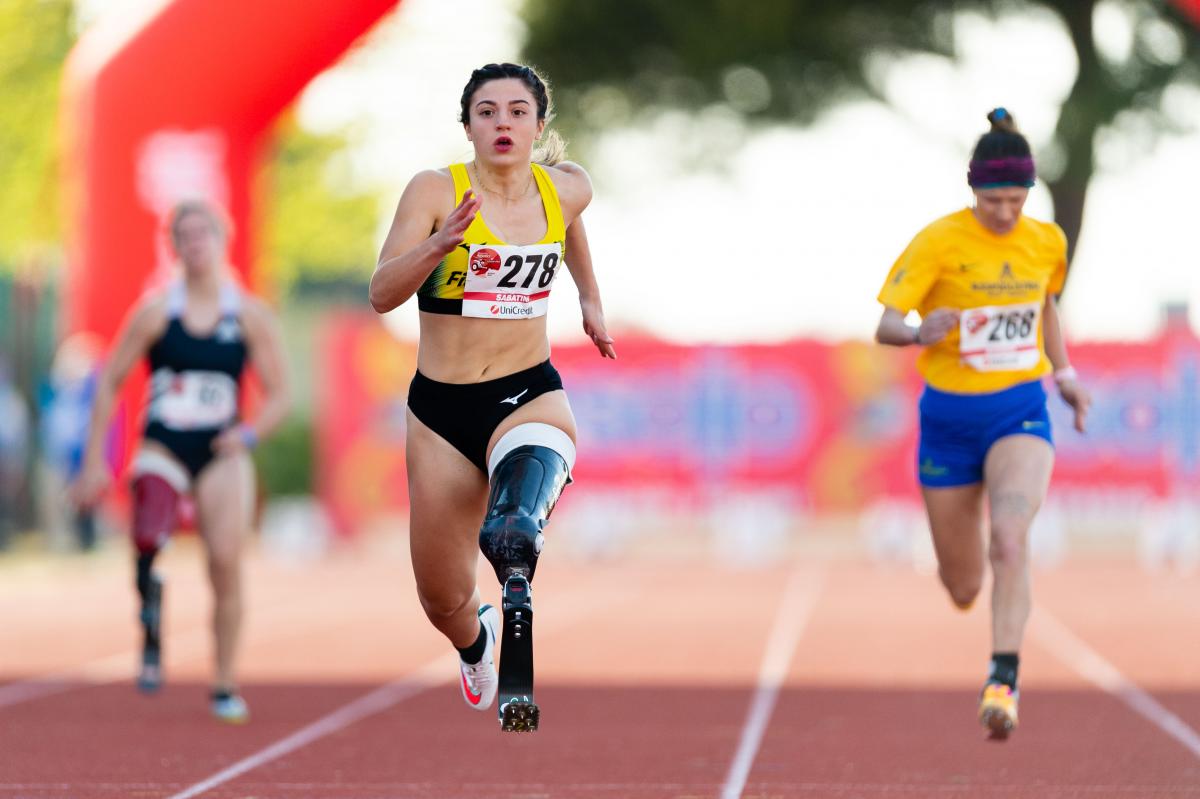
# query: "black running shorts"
{"type": "Point", "coordinates": [466, 414]}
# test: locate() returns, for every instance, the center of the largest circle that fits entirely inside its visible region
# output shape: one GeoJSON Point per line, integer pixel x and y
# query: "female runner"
{"type": "Point", "coordinates": [984, 281]}
{"type": "Point", "coordinates": [198, 334]}
{"type": "Point", "coordinates": [491, 437]}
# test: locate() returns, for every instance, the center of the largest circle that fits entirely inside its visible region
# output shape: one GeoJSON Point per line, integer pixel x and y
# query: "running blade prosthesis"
{"type": "Point", "coordinates": [150, 675]}
{"type": "Point", "coordinates": [518, 712]}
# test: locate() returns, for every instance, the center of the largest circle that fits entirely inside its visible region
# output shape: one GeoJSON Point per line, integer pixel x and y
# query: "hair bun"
{"type": "Point", "coordinates": [1001, 119]}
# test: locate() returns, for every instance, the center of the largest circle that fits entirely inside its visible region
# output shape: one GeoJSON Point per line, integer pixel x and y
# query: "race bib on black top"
{"type": "Point", "coordinates": [193, 399]}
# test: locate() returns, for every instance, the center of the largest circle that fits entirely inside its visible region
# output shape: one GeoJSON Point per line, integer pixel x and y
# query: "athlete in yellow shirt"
{"type": "Point", "coordinates": [984, 281]}
{"type": "Point", "coordinates": [490, 434]}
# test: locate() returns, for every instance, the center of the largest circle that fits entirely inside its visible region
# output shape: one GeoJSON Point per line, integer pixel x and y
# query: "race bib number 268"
{"type": "Point", "coordinates": [1000, 337]}
{"type": "Point", "coordinates": [510, 282]}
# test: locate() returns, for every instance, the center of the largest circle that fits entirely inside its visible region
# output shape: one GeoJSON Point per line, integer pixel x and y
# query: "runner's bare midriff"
{"type": "Point", "coordinates": [456, 349]}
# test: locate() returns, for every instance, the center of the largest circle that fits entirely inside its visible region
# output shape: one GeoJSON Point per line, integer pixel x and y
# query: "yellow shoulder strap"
{"type": "Point", "coordinates": [555, 229]}
{"type": "Point", "coordinates": [461, 181]}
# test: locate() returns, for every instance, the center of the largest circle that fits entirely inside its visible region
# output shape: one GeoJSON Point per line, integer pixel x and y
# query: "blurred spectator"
{"type": "Point", "coordinates": [14, 452]}
{"type": "Point", "coordinates": [66, 404]}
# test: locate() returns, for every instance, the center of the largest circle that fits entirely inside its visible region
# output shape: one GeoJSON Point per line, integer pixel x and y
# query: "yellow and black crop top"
{"type": "Point", "coordinates": [487, 278]}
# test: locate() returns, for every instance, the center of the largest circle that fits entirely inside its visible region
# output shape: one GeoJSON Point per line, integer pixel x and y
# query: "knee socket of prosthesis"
{"type": "Point", "coordinates": [526, 485]}
{"type": "Point", "coordinates": [155, 502]}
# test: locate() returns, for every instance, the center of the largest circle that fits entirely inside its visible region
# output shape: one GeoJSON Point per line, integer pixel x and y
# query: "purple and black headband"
{"type": "Point", "coordinates": [995, 172]}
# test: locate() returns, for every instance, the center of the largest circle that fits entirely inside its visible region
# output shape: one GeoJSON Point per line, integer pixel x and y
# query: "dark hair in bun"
{"type": "Point", "coordinates": [1003, 140]}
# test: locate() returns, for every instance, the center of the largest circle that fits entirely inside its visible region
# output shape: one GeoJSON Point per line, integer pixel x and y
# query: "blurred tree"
{"type": "Point", "coordinates": [772, 60]}
{"type": "Point", "coordinates": [319, 226]}
{"type": "Point", "coordinates": [35, 37]}
{"type": "Point", "coordinates": [285, 459]}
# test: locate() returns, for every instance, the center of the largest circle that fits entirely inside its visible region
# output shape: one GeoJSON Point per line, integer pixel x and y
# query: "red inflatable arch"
{"type": "Point", "coordinates": [1192, 7]}
{"type": "Point", "coordinates": [178, 104]}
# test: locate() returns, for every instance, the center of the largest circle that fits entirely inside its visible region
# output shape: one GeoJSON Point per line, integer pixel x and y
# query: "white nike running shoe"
{"type": "Point", "coordinates": [479, 680]}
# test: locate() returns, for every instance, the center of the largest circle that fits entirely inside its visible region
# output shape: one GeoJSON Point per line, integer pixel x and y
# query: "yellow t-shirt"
{"type": "Point", "coordinates": [1000, 282]}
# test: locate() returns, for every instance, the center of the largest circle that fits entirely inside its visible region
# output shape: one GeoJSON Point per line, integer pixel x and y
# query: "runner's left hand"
{"type": "Point", "coordinates": [1078, 398]}
{"type": "Point", "coordinates": [230, 442]}
{"type": "Point", "coordinates": [593, 325]}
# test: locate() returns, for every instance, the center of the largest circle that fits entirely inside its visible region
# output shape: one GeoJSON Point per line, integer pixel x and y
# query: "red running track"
{"type": "Point", "coordinates": [825, 678]}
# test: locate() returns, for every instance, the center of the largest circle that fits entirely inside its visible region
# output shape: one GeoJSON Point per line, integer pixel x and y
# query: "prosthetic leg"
{"type": "Point", "coordinates": [529, 473]}
{"type": "Point", "coordinates": [155, 502]}
{"type": "Point", "coordinates": [150, 588]}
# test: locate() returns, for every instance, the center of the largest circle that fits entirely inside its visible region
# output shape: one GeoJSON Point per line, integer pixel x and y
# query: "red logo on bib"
{"type": "Point", "coordinates": [975, 322]}
{"type": "Point", "coordinates": [495, 309]}
{"type": "Point", "coordinates": [484, 261]}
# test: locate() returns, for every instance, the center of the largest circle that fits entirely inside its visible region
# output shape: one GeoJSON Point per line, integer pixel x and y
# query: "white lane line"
{"type": "Point", "coordinates": [186, 646]}
{"type": "Point", "coordinates": [382, 698]}
{"type": "Point", "coordinates": [103, 670]}
{"type": "Point", "coordinates": [795, 609]}
{"type": "Point", "coordinates": [1073, 652]}
{"type": "Point", "coordinates": [272, 619]}
{"type": "Point", "coordinates": [440, 670]}
{"type": "Point", "coordinates": [624, 789]}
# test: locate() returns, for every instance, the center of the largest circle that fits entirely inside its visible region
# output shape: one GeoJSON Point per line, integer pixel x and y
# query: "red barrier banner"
{"type": "Point", "coordinates": [818, 426]}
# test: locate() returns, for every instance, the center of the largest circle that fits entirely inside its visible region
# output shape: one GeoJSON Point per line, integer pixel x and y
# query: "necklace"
{"type": "Point", "coordinates": [484, 186]}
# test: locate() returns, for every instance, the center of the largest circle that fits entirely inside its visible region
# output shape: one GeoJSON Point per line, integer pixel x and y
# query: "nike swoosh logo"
{"type": "Point", "coordinates": [472, 696]}
{"type": "Point", "coordinates": [513, 400]}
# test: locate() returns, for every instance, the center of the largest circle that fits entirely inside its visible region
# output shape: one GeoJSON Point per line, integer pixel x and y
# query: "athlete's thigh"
{"type": "Point", "coordinates": [551, 408]}
{"type": "Point", "coordinates": [1017, 473]}
{"type": "Point", "coordinates": [149, 445]}
{"type": "Point", "coordinates": [956, 524]}
{"type": "Point", "coordinates": [224, 492]}
{"type": "Point", "coordinates": [447, 498]}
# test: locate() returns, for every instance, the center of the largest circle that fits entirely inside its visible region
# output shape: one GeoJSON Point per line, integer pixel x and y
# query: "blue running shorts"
{"type": "Point", "coordinates": [957, 430]}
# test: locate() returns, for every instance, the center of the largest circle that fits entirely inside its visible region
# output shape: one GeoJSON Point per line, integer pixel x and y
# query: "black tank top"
{"type": "Point", "coordinates": [195, 380]}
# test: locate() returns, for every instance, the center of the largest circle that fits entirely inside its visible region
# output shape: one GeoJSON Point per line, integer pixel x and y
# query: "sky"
{"type": "Point", "coordinates": [793, 236]}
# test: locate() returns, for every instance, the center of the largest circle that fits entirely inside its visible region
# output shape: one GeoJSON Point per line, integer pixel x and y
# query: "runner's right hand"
{"type": "Point", "coordinates": [453, 230]}
{"type": "Point", "coordinates": [936, 324]}
{"type": "Point", "coordinates": [91, 484]}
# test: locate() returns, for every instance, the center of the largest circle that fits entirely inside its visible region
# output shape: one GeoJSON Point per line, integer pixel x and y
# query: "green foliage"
{"type": "Point", "coordinates": [787, 60]}
{"type": "Point", "coordinates": [285, 459]}
{"type": "Point", "coordinates": [676, 54]}
{"type": "Point", "coordinates": [35, 37]}
{"type": "Point", "coordinates": [314, 227]}
{"type": "Point", "coordinates": [317, 226]}
{"type": "Point", "coordinates": [811, 53]}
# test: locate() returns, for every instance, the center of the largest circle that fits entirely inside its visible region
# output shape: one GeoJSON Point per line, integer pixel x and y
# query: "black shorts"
{"type": "Point", "coordinates": [466, 414]}
{"type": "Point", "coordinates": [193, 448]}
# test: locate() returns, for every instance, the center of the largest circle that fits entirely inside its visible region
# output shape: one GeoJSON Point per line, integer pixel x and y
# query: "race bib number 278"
{"type": "Point", "coordinates": [510, 282]}
{"type": "Point", "coordinates": [1000, 337]}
